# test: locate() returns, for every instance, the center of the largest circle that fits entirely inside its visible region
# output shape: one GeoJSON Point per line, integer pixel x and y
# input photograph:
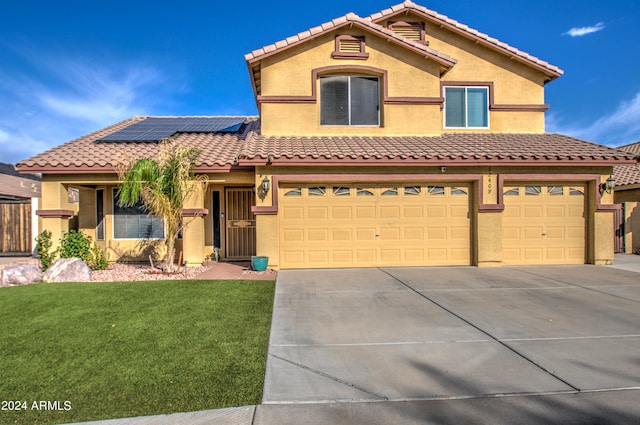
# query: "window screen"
{"type": "Point", "coordinates": [134, 222]}
{"type": "Point", "coordinates": [349, 100]}
{"type": "Point", "coordinates": [466, 107]}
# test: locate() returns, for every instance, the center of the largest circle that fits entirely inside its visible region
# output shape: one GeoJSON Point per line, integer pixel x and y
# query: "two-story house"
{"type": "Point", "coordinates": [402, 138]}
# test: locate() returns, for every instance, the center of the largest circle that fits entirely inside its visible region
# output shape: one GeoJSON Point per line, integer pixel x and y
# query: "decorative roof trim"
{"type": "Point", "coordinates": [445, 160]}
{"type": "Point", "coordinates": [551, 70]}
{"type": "Point", "coordinates": [350, 19]}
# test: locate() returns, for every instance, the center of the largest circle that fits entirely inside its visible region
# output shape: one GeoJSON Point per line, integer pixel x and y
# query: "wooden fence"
{"type": "Point", "coordinates": [15, 228]}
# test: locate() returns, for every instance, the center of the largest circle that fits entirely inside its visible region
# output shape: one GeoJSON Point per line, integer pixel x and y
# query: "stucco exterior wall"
{"type": "Point", "coordinates": [408, 74]}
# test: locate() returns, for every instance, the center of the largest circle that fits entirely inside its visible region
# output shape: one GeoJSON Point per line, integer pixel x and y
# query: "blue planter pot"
{"type": "Point", "coordinates": [259, 263]}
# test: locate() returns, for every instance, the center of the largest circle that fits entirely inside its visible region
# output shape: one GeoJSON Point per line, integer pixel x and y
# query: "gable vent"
{"type": "Point", "coordinates": [410, 30]}
{"type": "Point", "coordinates": [351, 45]}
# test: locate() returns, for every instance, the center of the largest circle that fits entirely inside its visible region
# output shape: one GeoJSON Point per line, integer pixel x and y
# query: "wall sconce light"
{"type": "Point", "coordinates": [443, 169]}
{"type": "Point", "coordinates": [266, 184]}
{"type": "Point", "coordinates": [608, 185]}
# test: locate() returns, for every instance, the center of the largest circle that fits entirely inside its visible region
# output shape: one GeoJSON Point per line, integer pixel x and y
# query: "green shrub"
{"type": "Point", "coordinates": [77, 244]}
{"type": "Point", "coordinates": [43, 245]}
{"type": "Point", "coordinates": [99, 260]}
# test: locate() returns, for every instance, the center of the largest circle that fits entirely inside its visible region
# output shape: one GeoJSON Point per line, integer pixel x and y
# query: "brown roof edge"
{"type": "Point", "coordinates": [471, 162]}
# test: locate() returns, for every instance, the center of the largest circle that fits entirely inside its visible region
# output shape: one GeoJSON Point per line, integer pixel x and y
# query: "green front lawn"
{"type": "Point", "coordinates": [109, 350]}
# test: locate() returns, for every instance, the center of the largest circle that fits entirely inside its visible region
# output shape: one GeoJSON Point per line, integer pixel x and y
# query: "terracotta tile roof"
{"type": "Point", "coordinates": [553, 70]}
{"type": "Point", "coordinates": [630, 174]}
{"type": "Point", "coordinates": [221, 151]}
{"type": "Point", "coordinates": [458, 148]}
{"type": "Point", "coordinates": [85, 155]}
{"type": "Point", "coordinates": [348, 19]}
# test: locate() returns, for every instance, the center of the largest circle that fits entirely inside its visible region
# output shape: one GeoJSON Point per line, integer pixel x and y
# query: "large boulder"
{"type": "Point", "coordinates": [68, 270]}
{"type": "Point", "coordinates": [20, 274]}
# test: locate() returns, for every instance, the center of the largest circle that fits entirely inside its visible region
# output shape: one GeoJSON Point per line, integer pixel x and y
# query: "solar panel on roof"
{"type": "Point", "coordinates": [157, 129]}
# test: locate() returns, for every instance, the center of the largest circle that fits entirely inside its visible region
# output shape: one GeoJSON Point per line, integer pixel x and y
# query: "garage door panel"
{"type": "Point", "coordinates": [314, 213]}
{"type": "Point", "coordinates": [366, 212]}
{"type": "Point", "coordinates": [318, 257]}
{"type": "Point", "coordinates": [345, 257]}
{"type": "Point", "coordinates": [390, 212]}
{"type": "Point", "coordinates": [341, 213]}
{"type": "Point", "coordinates": [544, 224]}
{"type": "Point", "coordinates": [533, 254]}
{"type": "Point", "coordinates": [365, 234]}
{"type": "Point", "coordinates": [556, 233]}
{"type": "Point", "coordinates": [392, 234]}
{"type": "Point", "coordinates": [293, 235]}
{"type": "Point", "coordinates": [412, 212]}
{"type": "Point", "coordinates": [556, 212]}
{"type": "Point", "coordinates": [366, 256]}
{"type": "Point", "coordinates": [532, 212]}
{"type": "Point", "coordinates": [436, 211]}
{"type": "Point", "coordinates": [342, 234]}
{"type": "Point", "coordinates": [576, 211]}
{"type": "Point", "coordinates": [459, 211]}
{"type": "Point", "coordinates": [438, 233]}
{"type": "Point", "coordinates": [461, 254]}
{"type": "Point", "coordinates": [414, 255]}
{"type": "Point", "coordinates": [413, 233]}
{"type": "Point", "coordinates": [375, 225]}
{"type": "Point", "coordinates": [460, 233]}
{"type": "Point", "coordinates": [317, 235]}
{"type": "Point", "coordinates": [293, 213]}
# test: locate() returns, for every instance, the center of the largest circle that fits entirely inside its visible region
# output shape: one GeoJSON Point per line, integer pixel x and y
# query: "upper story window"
{"type": "Point", "coordinates": [350, 47]}
{"type": "Point", "coordinates": [349, 100]}
{"type": "Point", "coordinates": [466, 107]}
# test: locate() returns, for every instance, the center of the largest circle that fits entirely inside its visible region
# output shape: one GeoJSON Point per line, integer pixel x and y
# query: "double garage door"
{"type": "Point", "coordinates": [372, 225]}
{"type": "Point", "coordinates": [367, 225]}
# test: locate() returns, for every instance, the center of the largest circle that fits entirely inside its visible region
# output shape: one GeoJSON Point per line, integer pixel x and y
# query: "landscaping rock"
{"type": "Point", "coordinates": [20, 274]}
{"type": "Point", "coordinates": [68, 270]}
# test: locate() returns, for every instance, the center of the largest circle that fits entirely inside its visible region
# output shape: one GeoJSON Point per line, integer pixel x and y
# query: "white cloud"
{"type": "Point", "coordinates": [581, 31]}
{"type": "Point", "coordinates": [65, 98]}
{"type": "Point", "coordinates": [620, 127]}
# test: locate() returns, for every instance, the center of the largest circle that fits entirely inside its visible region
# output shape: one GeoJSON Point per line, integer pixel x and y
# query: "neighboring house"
{"type": "Point", "coordinates": [627, 193]}
{"type": "Point", "coordinates": [403, 138]}
{"type": "Point", "coordinates": [19, 197]}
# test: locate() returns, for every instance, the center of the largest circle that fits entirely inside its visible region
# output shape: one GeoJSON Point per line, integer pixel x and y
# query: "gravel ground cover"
{"type": "Point", "coordinates": [119, 272]}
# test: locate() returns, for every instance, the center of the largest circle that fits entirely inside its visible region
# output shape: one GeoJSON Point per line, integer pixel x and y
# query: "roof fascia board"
{"type": "Point", "coordinates": [323, 161]}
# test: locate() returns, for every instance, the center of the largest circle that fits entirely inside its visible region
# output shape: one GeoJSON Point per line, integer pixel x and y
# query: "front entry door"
{"type": "Point", "coordinates": [241, 223]}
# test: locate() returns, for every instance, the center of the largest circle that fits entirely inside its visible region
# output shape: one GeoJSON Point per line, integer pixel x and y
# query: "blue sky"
{"type": "Point", "coordinates": [71, 67]}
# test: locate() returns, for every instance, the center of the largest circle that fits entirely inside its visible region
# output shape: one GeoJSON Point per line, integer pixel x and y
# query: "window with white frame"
{"type": "Point", "coordinates": [135, 222]}
{"type": "Point", "coordinates": [349, 100]}
{"type": "Point", "coordinates": [466, 107]}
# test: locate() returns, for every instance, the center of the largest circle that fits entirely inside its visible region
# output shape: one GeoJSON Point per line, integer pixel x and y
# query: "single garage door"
{"type": "Point", "coordinates": [544, 224]}
{"type": "Point", "coordinates": [338, 225]}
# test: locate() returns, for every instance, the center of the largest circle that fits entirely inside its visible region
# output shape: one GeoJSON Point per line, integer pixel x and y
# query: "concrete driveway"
{"type": "Point", "coordinates": [420, 334]}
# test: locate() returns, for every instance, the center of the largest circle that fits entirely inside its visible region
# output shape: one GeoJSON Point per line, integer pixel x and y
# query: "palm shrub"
{"type": "Point", "coordinates": [165, 185]}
